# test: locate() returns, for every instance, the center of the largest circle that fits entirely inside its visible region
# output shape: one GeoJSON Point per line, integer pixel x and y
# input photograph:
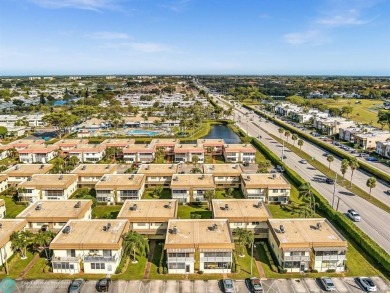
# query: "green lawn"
{"type": "Point", "coordinates": [133, 271]}
{"type": "Point", "coordinates": [105, 212]}
{"type": "Point", "coordinates": [259, 157]}
{"type": "Point", "coordinates": [290, 210]}
{"type": "Point", "coordinates": [13, 209]}
{"type": "Point", "coordinates": [165, 194]}
{"type": "Point", "coordinates": [220, 194]}
{"type": "Point", "coordinates": [362, 113]}
{"type": "Point", "coordinates": [185, 211]}
{"type": "Point", "coordinates": [17, 265]}
{"type": "Point", "coordinates": [245, 265]}
{"type": "Point", "coordinates": [214, 159]}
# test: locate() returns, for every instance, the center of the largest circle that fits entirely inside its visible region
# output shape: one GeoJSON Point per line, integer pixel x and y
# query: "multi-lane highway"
{"type": "Point", "coordinates": [373, 218]}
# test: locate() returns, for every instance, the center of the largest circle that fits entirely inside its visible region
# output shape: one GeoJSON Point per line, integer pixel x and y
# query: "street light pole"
{"type": "Point", "coordinates": [283, 152]}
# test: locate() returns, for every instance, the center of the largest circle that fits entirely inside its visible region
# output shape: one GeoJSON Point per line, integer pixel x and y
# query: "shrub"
{"type": "Point", "coordinates": [314, 271]}
{"type": "Point", "coordinates": [331, 271]}
{"type": "Point", "coordinates": [200, 272]}
{"type": "Point", "coordinates": [282, 270]}
{"type": "Point", "coordinates": [165, 270]}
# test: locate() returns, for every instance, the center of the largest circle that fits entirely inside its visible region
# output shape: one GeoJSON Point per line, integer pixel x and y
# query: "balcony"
{"type": "Point", "coordinates": [296, 258]}
{"type": "Point", "coordinates": [100, 258]}
{"type": "Point", "coordinates": [180, 259]}
{"type": "Point", "coordinates": [330, 257]}
{"type": "Point", "coordinates": [216, 259]}
{"type": "Point", "coordinates": [65, 259]}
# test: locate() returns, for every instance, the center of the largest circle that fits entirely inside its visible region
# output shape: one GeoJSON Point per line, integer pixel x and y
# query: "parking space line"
{"type": "Point", "coordinates": [347, 285]}
{"type": "Point", "coordinates": [278, 287]}
{"type": "Point", "coordinates": [305, 285]}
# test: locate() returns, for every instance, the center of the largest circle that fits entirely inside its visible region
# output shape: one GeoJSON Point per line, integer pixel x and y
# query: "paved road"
{"type": "Point", "coordinates": [373, 218]}
{"type": "Point", "coordinates": [359, 176]}
{"type": "Point", "coordinates": [343, 285]}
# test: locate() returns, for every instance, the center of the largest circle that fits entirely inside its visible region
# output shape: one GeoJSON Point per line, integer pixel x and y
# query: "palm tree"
{"type": "Point", "coordinates": [209, 195]}
{"type": "Point", "coordinates": [157, 191]}
{"type": "Point", "coordinates": [294, 137]}
{"type": "Point", "coordinates": [344, 167]}
{"type": "Point", "coordinates": [135, 243]}
{"type": "Point", "coordinates": [287, 134]}
{"type": "Point", "coordinates": [330, 159]}
{"type": "Point", "coordinates": [20, 241]}
{"type": "Point", "coordinates": [307, 195]}
{"type": "Point", "coordinates": [353, 165]}
{"type": "Point", "coordinates": [195, 160]}
{"type": "Point", "coordinates": [229, 191]}
{"type": "Point", "coordinates": [281, 130]}
{"type": "Point", "coordinates": [245, 238]}
{"type": "Point", "coordinates": [13, 153]}
{"type": "Point", "coordinates": [73, 160]}
{"type": "Point", "coordinates": [300, 144]}
{"type": "Point", "coordinates": [43, 239]}
{"type": "Point", "coordinates": [371, 183]}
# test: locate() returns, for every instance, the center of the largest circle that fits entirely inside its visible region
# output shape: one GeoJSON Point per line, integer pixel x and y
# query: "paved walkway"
{"type": "Point", "coordinates": [258, 264]}
{"type": "Point", "coordinates": [150, 259]}
{"type": "Point", "coordinates": [29, 266]}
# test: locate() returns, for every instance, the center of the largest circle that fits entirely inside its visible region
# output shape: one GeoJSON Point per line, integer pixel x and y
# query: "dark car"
{"type": "Point", "coordinates": [254, 285]}
{"type": "Point", "coordinates": [75, 286]}
{"type": "Point", "coordinates": [329, 180]}
{"type": "Point", "coordinates": [372, 159]}
{"type": "Point", "coordinates": [103, 285]}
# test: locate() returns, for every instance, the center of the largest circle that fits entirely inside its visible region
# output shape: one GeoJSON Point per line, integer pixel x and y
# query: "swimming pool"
{"type": "Point", "coordinates": [136, 132]}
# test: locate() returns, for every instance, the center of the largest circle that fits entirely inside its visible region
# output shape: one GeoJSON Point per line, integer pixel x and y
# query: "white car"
{"type": "Point", "coordinates": [303, 161]}
{"type": "Point", "coordinates": [328, 284]}
{"type": "Point", "coordinates": [367, 284]}
{"type": "Point", "coordinates": [353, 215]}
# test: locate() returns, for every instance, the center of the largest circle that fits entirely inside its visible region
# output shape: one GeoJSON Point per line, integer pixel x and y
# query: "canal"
{"type": "Point", "coordinates": [219, 131]}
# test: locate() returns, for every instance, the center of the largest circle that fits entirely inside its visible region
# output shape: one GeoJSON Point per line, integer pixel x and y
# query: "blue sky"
{"type": "Point", "coordinates": [347, 37]}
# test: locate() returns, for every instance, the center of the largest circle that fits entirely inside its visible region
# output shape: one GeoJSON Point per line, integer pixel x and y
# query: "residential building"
{"type": "Point", "coordinates": [118, 142]}
{"type": "Point", "coordinates": [48, 186]}
{"type": "Point", "coordinates": [20, 172]}
{"type": "Point", "coordinates": [225, 175]}
{"type": "Point", "coordinates": [91, 246]}
{"type": "Point", "coordinates": [89, 175]}
{"type": "Point", "coordinates": [37, 153]}
{"type": "Point", "coordinates": [191, 187]}
{"type": "Point", "coordinates": [115, 188]}
{"type": "Point", "coordinates": [266, 187]}
{"type": "Point", "coordinates": [3, 152]}
{"type": "Point", "coordinates": [24, 143]}
{"type": "Point", "coordinates": [209, 241]}
{"type": "Point", "coordinates": [141, 153]}
{"type": "Point", "coordinates": [87, 153]}
{"type": "Point", "coordinates": [149, 217]}
{"type": "Point", "coordinates": [331, 125]}
{"type": "Point", "coordinates": [7, 227]}
{"type": "Point", "coordinates": [187, 152]}
{"type": "Point", "coordinates": [3, 182]}
{"type": "Point", "coordinates": [65, 145]}
{"type": "Point", "coordinates": [249, 214]}
{"type": "Point", "coordinates": [158, 174]}
{"type": "Point", "coordinates": [2, 209]}
{"type": "Point", "coordinates": [236, 153]}
{"type": "Point", "coordinates": [383, 148]}
{"type": "Point", "coordinates": [167, 144]}
{"type": "Point", "coordinates": [54, 214]}
{"type": "Point", "coordinates": [368, 140]}
{"type": "Point", "coordinates": [213, 147]}
{"type": "Point", "coordinates": [307, 244]}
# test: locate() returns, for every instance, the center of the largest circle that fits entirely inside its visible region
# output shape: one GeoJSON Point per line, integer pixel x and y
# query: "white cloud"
{"type": "Point", "coordinates": [176, 6]}
{"type": "Point", "coordinates": [95, 5]}
{"type": "Point", "coordinates": [350, 17]}
{"type": "Point", "coordinates": [149, 47]}
{"type": "Point", "coordinates": [299, 38]}
{"type": "Point", "coordinates": [108, 36]}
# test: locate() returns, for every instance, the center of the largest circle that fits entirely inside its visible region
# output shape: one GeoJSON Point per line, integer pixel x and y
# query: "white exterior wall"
{"type": "Point", "coordinates": [31, 158]}
{"type": "Point", "coordinates": [3, 185]}
{"type": "Point", "coordinates": [181, 197]}
{"type": "Point", "coordinates": [33, 196]}
{"type": "Point", "coordinates": [203, 259]}
{"type": "Point", "coordinates": [158, 180]}
{"type": "Point", "coordinates": [188, 261]}
{"type": "Point", "coordinates": [5, 252]}
{"type": "Point", "coordinates": [109, 196]}
{"type": "Point", "coordinates": [254, 193]}
{"type": "Point", "coordinates": [3, 154]}
{"type": "Point", "coordinates": [139, 193]}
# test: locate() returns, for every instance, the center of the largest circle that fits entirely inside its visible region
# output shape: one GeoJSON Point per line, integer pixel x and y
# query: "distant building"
{"type": "Point", "coordinates": [8, 226]}
{"type": "Point", "coordinates": [191, 187]}
{"type": "Point", "coordinates": [236, 153]}
{"type": "Point", "coordinates": [89, 175]}
{"type": "Point", "coordinates": [20, 172]}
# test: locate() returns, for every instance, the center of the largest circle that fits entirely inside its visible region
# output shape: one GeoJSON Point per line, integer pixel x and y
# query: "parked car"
{"type": "Point", "coordinates": [353, 215]}
{"type": "Point", "coordinates": [328, 284]}
{"type": "Point", "coordinates": [329, 180]}
{"type": "Point", "coordinates": [303, 161]}
{"type": "Point", "coordinates": [363, 155]}
{"type": "Point", "coordinates": [228, 286]}
{"type": "Point", "coordinates": [76, 285]}
{"type": "Point", "coordinates": [254, 285]}
{"type": "Point", "coordinates": [103, 285]}
{"type": "Point", "coordinates": [388, 191]}
{"type": "Point", "coordinates": [367, 284]}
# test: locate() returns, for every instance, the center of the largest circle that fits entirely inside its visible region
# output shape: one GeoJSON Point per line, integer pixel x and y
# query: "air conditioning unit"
{"type": "Point", "coordinates": [77, 205]}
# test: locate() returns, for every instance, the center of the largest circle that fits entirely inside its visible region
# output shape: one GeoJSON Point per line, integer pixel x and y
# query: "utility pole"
{"type": "Point", "coordinates": [283, 152]}
{"type": "Point", "coordinates": [252, 258]}
{"type": "Point", "coordinates": [334, 190]}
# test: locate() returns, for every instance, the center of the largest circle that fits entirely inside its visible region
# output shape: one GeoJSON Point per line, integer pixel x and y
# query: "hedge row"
{"type": "Point", "coordinates": [361, 238]}
{"type": "Point", "coordinates": [270, 259]}
{"type": "Point", "coordinates": [336, 151]}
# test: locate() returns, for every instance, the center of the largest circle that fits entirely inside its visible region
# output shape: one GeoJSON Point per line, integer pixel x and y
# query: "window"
{"type": "Point", "coordinates": [177, 266]}
{"type": "Point", "coordinates": [179, 254]}
{"type": "Point", "coordinates": [217, 254]}
{"type": "Point", "coordinates": [216, 265]}
{"type": "Point", "coordinates": [275, 190]}
{"type": "Point", "coordinates": [54, 193]}
{"type": "Point", "coordinates": [98, 266]}
{"type": "Point", "coordinates": [255, 223]}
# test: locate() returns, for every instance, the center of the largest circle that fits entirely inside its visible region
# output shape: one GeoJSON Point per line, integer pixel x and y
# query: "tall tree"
{"type": "Point", "coordinates": [300, 144]}
{"type": "Point", "coordinates": [287, 134]}
{"type": "Point", "coordinates": [20, 241]}
{"type": "Point", "coordinates": [344, 167]}
{"type": "Point", "coordinates": [353, 165]}
{"type": "Point", "coordinates": [306, 194]}
{"type": "Point", "coordinates": [209, 195]}
{"type": "Point", "coordinates": [135, 243]}
{"type": "Point", "coordinates": [371, 183]}
{"type": "Point", "coordinates": [42, 241]}
{"type": "Point", "coordinates": [281, 131]}
{"type": "Point", "coordinates": [3, 131]}
{"type": "Point", "coordinates": [61, 121]}
{"type": "Point", "coordinates": [294, 137]}
{"type": "Point", "coordinates": [330, 159]}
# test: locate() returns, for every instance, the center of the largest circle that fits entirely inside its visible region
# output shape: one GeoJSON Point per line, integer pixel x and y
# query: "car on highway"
{"type": "Point", "coordinates": [372, 159]}
{"type": "Point", "coordinates": [387, 191]}
{"type": "Point", "coordinates": [228, 286]}
{"type": "Point", "coordinates": [353, 215]}
{"type": "Point", "coordinates": [75, 286]}
{"type": "Point", "coordinates": [303, 161]}
{"type": "Point", "coordinates": [103, 285]}
{"type": "Point", "coordinates": [367, 284]}
{"type": "Point", "coordinates": [254, 285]}
{"type": "Point", "coordinates": [363, 155]}
{"type": "Point", "coordinates": [329, 180]}
{"type": "Point", "coordinates": [328, 284]}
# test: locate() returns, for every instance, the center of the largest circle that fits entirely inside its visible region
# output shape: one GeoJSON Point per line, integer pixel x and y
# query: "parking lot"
{"type": "Point", "coordinates": [343, 285]}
